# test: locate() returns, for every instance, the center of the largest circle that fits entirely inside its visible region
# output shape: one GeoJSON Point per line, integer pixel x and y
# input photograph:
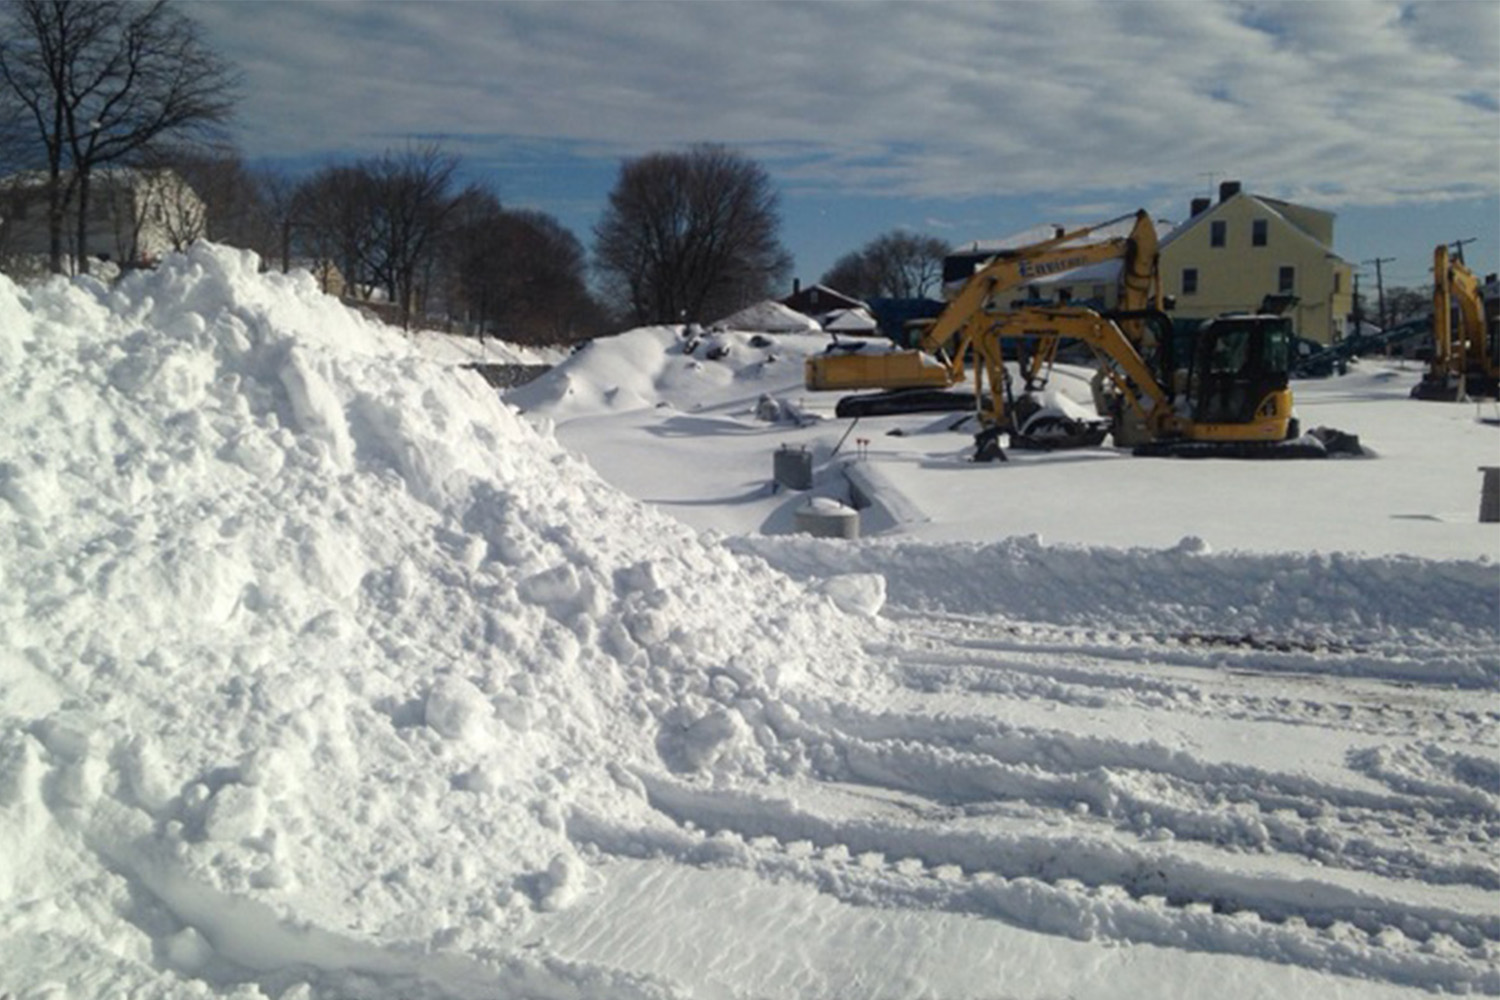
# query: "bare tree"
{"type": "Point", "coordinates": [898, 265]}
{"type": "Point", "coordinates": [691, 235]}
{"type": "Point", "coordinates": [240, 206]}
{"type": "Point", "coordinates": [545, 290]}
{"type": "Point", "coordinates": [1408, 303]}
{"type": "Point", "coordinates": [328, 218]}
{"type": "Point", "coordinates": [853, 275]}
{"type": "Point", "coordinates": [382, 221]}
{"type": "Point", "coordinates": [412, 206]}
{"type": "Point", "coordinates": [474, 278]}
{"type": "Point", "coordinates": [520, 274]}
{"type": "Point", "coordinates": [98, 82]}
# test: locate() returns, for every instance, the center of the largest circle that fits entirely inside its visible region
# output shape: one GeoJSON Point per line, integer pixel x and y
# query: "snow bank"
{"type": "Point", "coordinates": [1307, 600]}
{"type": "Point", "coordinates": [312, 645]}
{"type": "Point", "coordinates": [642, 368]}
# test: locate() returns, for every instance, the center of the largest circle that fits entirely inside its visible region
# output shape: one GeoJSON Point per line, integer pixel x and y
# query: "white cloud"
{"type": "Point", "coordinates": [1347, 102]}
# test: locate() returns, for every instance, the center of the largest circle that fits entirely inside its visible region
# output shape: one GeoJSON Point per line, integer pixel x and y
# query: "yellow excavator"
{"type": "Point", "coordinates": [940, 360]}
{"type": "Point", "coordinates": [1465, 361]}
{"type": "Point", "coordinates": [1218, 389]}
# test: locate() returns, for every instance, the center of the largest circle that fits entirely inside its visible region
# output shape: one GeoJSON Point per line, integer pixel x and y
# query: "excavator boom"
{"type": "Point", "coordinates": [941, 359]}
{"type": "Point", "coordinates": [1464, 361]}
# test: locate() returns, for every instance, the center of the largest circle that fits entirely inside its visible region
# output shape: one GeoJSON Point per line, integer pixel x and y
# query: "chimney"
{"type": "Point", "coordinates": [1199, 206]}
{"type": "Point", "coordinates": [1228, 190]}
{"type": "Point", "coordinates": [796, 286]}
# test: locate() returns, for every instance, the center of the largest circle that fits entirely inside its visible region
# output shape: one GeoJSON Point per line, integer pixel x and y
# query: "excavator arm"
{"type": "Point", "coordinates": [1463, 362]}
{"type": "Point", "coordinates": [1012, 269]}
{"type": "Point", "coordinates": [1046, 327]}
{"type": "Point", "coordinates": [946, 344]}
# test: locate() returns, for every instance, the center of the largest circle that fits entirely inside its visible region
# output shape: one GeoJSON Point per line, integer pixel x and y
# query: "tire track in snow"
{"type": "Point", "coordinates": [897, 852]}
{"type": "Point", "coordinates": [1134, 788]}
{"type": "Point", "coordinates": [1420, 807]}
{"type": "Point", "coordinates": [1467, 661]}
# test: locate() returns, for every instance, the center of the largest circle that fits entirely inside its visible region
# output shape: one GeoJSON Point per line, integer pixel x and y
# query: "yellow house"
{"type": "Point", "coordinates": [1248, 253]}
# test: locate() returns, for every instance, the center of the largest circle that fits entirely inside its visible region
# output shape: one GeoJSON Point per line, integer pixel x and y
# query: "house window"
{"type": "Point", "coordinates": [1286, 280]}
{"type": "Point", "coordinates": [1189, 281]}
{"type": "Point", "coordinates": [1338, 282]}
{"type": "Point", "coordinates": [1258, 233]}
{"type": "Point", "coordinates": [1217, 230]}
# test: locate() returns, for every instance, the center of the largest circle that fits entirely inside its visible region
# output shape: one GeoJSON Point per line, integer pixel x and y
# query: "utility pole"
{"type": "Point", "coordinates": [1380, 287]}
{"type": "Point", "coordinates": [1359, 317]}
{"type": "Point", "coordinates": [1458, 247]}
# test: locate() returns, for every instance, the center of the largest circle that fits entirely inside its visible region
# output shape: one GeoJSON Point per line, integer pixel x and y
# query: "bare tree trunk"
{"type": "Point", "coordinates": [81, 246]}
{"type": "Point", "coordinates": [57, 211]}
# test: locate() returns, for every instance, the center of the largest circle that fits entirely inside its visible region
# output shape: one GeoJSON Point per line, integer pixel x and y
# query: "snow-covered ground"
{"type": "Point", "coordinates": [640, 396]}
{"type": "Point", "coordinates": [325, 673]}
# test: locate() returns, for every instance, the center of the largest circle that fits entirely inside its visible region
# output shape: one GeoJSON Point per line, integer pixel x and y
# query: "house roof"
{"type": "Point", "coordinates": [769, 317]}
{"type": "Point", "coordinates": [1269, 204]}
{"type": "Point", "coordinates": [1118, 229]}
{"type": "Point", "coordinates": [850, 321]}
{"type": "Point", "coordinates": [820, 299]}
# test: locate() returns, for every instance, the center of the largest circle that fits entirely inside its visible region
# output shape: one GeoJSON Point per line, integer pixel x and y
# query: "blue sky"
{"type": "Point", "coordinates": [964, 121]}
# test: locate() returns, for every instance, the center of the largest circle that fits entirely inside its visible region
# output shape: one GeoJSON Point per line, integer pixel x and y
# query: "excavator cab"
{"type": "Point", "coordinates": [1238, 363]}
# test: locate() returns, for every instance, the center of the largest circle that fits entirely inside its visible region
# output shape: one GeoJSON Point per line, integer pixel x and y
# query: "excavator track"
{"type": "Point", "coordinates": [1447, 390]}
{"type": "Point", "coordinates": [899, 401]}
{"type": "Point", "coordinates": [1320, 442]}
{"type": "Point", "coordinates": [1231, 449]}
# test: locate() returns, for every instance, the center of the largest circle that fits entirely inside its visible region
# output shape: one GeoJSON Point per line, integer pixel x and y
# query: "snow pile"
{"type": "Point", "coordinates": [651, 367]}
{"type": "Point", "coordinates": [300, 629]}
{"type": "Point", "coordinates": [769, 317]}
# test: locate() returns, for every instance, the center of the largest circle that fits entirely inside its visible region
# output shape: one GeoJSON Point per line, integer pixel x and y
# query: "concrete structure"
{"type": "Point", "coordinates": [825, 517]}
{"type": "Point", "coordinates": [1248, 253]}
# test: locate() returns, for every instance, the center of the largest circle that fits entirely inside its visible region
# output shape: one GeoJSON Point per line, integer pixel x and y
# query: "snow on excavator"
{"type": "Point", "coordinates": [1465, 360]}
{"type": "Point", "coordinates": [1225, 392]}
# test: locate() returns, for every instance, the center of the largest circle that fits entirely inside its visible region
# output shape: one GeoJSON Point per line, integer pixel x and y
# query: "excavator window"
{"type": "Point", "coordinates": [1229, 352]}
{"type": "Point", "coordinates": [1278, 349]}
{"type": "Point", "coordinates": [1237, 361]}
